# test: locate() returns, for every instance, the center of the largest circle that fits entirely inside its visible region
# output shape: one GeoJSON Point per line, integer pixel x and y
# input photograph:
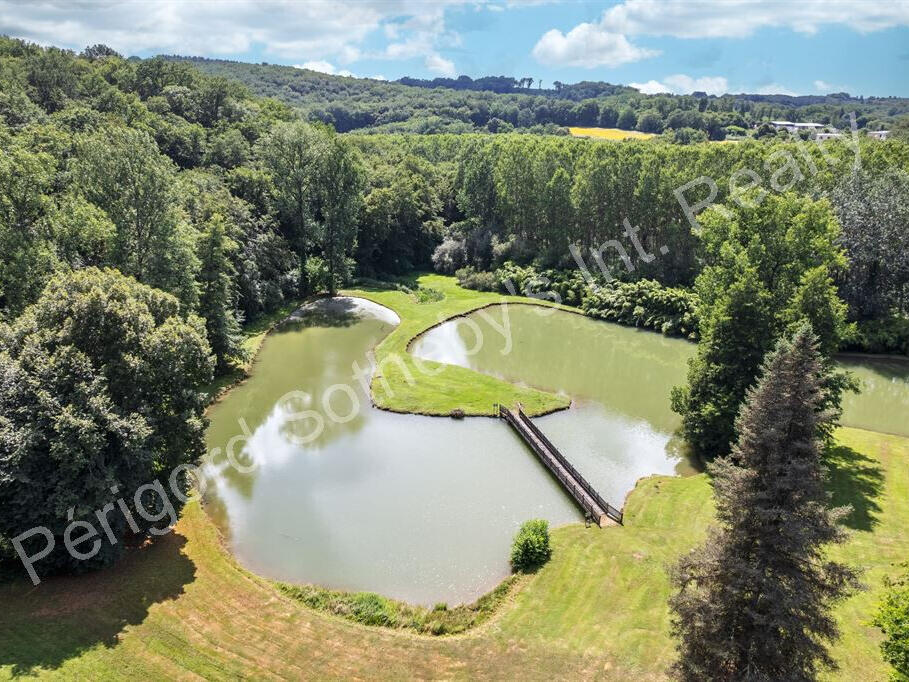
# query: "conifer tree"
{"type": "Point", "coordinates": [753, 602]}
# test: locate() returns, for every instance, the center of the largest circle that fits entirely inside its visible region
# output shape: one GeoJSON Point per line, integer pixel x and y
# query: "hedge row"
{"type": "Point", "coordinates": [645, 303]}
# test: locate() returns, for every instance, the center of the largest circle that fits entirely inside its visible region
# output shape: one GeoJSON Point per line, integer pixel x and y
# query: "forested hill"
{"type": "Point", "coordinates": [500, 103]}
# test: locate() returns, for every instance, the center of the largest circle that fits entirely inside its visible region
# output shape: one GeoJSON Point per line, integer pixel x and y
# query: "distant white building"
{"type": "Point", "coordinates": [879, 134]}
{"type": "Point", "coordinates": [828, 136]}
{"type": "Point", "coordinates": [795, 127]}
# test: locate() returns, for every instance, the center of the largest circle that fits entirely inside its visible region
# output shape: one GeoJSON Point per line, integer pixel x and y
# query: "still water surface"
{"type": "Point", "coordinates": [421, 508]}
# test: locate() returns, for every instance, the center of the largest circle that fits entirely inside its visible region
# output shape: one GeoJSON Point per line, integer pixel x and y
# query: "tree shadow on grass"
{"type": "Point", "coordinates": [42, 627]}
{"type": "Point", "coordinates": [856, 480]}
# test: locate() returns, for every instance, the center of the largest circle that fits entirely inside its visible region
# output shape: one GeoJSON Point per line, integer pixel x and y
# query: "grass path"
{"type": "Point", "coordinates": [183, 609]}
{"type": "Point", "coordinates": [403, 384]}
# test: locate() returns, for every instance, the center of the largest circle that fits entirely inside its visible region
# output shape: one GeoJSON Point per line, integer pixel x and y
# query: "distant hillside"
{"type": "Point", "coordinates": [501, 103]}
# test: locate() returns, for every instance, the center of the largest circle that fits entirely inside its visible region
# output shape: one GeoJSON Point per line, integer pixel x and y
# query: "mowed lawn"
{"type": "Point", "coordinates": [609, 133]}
{"type": "Point", "coordinates": [403, 384]}
{"type": "Point", "coordinates": [182, 608]}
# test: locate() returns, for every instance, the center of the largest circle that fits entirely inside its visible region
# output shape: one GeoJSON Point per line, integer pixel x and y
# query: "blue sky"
{"type": "Point", "coordinates": [795, 47]}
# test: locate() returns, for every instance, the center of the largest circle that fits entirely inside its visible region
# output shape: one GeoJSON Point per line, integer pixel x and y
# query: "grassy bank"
{"type": "Point", "coordinates": [402, 384]}
{"type": "Point", "coordinates": [182, 608]}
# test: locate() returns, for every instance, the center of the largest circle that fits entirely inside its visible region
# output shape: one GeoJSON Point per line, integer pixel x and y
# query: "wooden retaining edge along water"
{"type": "Point", "coordinates": [594, 506]}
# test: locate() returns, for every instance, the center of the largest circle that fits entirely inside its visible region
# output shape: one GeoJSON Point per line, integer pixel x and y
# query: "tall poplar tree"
{"type": "Point", "coordinates": [218, 291]}
{"type": "Point", "coordinates": [753, 602]}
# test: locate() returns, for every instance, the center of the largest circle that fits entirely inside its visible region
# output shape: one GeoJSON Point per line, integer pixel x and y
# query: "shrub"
{"type": "Point", "coordinates": [893, 618]}
{"type": "Point", "coordinates": [648, 304]}
{"type": "Point", "coordinates": [450, 255]}
{"type": "Point", "coordinates": [530, 548]}
{"type": "Point", "coordinates": [373, 609]}
{"type": "Point", "coordinates": [427, 295]}
{"type": "Point", "coordinates": [644, 303]}
{"type": "Point", "coordinates": [889, 335]}
{"type": "Point", "coordinates": [471, 278]}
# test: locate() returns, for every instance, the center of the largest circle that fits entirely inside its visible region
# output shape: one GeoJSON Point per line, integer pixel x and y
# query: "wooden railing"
{"type": "Point", "coordinates": [576, 485]}
{"type": "Point", "coordinates": [613, 513]}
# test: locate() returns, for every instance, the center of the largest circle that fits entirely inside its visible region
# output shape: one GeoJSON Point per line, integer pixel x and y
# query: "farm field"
{"type": "Point", "coordinates": [609, 133]}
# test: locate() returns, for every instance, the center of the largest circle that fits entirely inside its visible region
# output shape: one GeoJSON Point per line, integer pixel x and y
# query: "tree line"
{"type": "Point", "coordinates": [501, 104]}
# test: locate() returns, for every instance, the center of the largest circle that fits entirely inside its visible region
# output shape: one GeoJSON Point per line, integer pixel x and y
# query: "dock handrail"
{"type": "Point", "coordinates": [579, 488]}
{"type": "Point", "coordinates": [613, 513]}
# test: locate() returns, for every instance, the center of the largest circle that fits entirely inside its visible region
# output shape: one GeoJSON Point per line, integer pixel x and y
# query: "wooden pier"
{"type": "Point", "coordinates": [590, 501]}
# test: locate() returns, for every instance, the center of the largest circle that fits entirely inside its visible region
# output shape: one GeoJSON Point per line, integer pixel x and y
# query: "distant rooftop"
{"type": "Point", "coordinates": [790, 124]}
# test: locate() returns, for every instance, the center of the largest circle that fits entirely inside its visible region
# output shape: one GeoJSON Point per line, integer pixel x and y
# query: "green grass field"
{"type": "Point", "coordinates": [448, 387]}
{"type": "Point", "coordinates": [182, 608]}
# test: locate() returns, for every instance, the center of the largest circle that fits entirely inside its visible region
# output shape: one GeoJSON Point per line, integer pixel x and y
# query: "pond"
{"type": "Point", "coordinates": [322, 488]}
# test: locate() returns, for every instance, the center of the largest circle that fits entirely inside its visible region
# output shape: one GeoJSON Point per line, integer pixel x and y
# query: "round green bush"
{"type": "Point", "coordinates": [530, 548]}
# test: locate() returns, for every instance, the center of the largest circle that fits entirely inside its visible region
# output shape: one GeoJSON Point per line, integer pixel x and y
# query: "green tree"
{"type": "Point", "coordinates": [27, 257]}
{"type": "Point", "coordinates": [627, 119]}
{"type": "Point", "coordinates": [736, 328]}
{"type": "Point", "coordinates": [336, 204]}
{"type": "Point", "coordinates": [754, 601]}
{"type": "Point", "coordinates": [782, 249]}
{"type": "Point", "coordinates": [288, 153]}
{"type": "Point", "coordinates": [873, 209]}
{"type": "Point", "coordinates": [101, 396]}
{"type": "Point", "coordinates": [218, 291]}
{"type": "Point", "coordinates": [82, 233]}
{"type": "Point", "coordinates": [121, 171]}
{"type": "Point", "coordinates": [893, 619]}
{"type": "Point", "coordinates": [608, 117]}
{"type": "Point", "coordinates": [650, 122]}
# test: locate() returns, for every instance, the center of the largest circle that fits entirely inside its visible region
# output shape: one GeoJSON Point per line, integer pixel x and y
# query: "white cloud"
{"type": "Point", "coordinates": [438, 64]}
{"type": "Point", "coordinates": [712, 85]}
{"type": "Point", "coordinates": [773, 89]}
{"type": "Point", "coordinates": [284, 28]}
{"type": "Point", "coordinates": [826, 88]}
{"type": "Point", "coordinates": [651, 87]}
{"type": "Point", "coordinates": [325, 67]}
{"type": "Point", "coordinates": [379, 77]}
{"type": "Point", "coordinates": [587, 45]}
{"type": "Point", "coordinates": [318, 65]}
{"type": "Point", "coordinates": [320, 31]}
{"type": "Point", "coordinates": [607, 41]}
{"type": "Point", "coordinates": [682, 84]}
{"type": "Point", "coordinates": [740, 18]}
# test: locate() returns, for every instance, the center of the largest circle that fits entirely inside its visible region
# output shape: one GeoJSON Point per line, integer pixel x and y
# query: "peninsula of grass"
{"type": "Point", "coordinates": [402, 383]}
{"type": "Point", "coordinates": [181, 607]}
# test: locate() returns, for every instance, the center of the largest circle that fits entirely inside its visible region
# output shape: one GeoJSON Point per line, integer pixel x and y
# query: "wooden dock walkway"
{"type": "Point", "coordinates": [590, 501]}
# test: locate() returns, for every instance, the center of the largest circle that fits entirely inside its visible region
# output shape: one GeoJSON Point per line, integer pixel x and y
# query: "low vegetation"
{"type": "Point", "coordinates": [368, 608]}
{"type": "Point", "coordinates": [531, 548]}
{"type": "Point", "coordinates": [893, 619]}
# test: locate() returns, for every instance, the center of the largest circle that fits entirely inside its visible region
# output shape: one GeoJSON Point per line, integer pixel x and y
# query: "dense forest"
{"type": "Point", "coordinates": [192, 206]}
{"type": "Point", "coordinates": [502, 104]}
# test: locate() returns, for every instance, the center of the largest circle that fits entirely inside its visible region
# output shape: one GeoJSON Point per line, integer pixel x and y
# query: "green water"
{"type": "Point", "coordinates": [325, 489]}
{"type": "Point", "coordinates": [883, 403]}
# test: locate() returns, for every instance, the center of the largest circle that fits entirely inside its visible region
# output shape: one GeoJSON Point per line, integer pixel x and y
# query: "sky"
{"type": "Point", "coordinates": [769, 46]}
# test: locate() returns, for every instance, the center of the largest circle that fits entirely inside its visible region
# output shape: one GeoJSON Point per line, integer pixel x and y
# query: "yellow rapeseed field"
{"type": "Point", "coordinates": [609, 133]}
